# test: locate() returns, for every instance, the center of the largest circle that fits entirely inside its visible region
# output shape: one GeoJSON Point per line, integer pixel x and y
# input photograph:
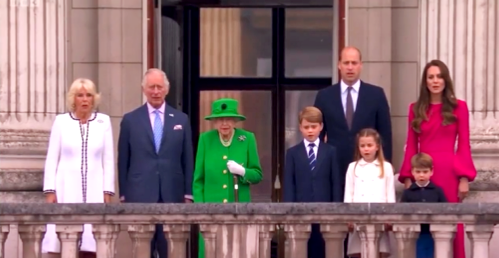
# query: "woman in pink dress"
{"type": "Point", "coordinates": [436, 119]}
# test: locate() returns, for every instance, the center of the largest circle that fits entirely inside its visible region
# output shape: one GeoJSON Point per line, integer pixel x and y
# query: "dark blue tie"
{"type": "Point", "coordinates": [311, 156]}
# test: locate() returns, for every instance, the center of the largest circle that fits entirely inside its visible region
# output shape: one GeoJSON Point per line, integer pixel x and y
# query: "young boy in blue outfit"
{"type": "Point", "coordinates": [311, 173]}
{"type": "Point", "coordinates": [423, 190]}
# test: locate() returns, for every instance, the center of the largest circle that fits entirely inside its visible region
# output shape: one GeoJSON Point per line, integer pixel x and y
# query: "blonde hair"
{"type": "Point", "coordinates": [77, 85]}
{"type": "Point", "coordinates": [369, 132]}
{"type": "Point", "coordinates": [155, 70]}
{"type": "Point", "coordinates": [310, 114]}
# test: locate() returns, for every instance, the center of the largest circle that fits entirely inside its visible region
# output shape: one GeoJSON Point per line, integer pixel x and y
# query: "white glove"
{"type": "Point", "coordinates": [235, 168]}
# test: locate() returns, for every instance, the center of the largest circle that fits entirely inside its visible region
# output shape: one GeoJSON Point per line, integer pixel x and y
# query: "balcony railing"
{"type": "Point", "coordinates": [245, 230]}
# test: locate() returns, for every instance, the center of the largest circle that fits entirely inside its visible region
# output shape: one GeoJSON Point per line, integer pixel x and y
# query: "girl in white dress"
{"type": "Point", "coordinates": [369, 180]}
{"type": "Point", "coordinates": [79, 167]}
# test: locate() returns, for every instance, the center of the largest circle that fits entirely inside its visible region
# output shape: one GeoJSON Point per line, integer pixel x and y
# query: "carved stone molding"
{"type": "Point", "coordinates": [21, 179]}
{"type": "Point", "coordinates": [23, 142]}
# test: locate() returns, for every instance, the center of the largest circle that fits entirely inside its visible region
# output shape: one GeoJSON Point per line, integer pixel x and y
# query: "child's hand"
{"type": "Point", "coordinates": [350, 227]}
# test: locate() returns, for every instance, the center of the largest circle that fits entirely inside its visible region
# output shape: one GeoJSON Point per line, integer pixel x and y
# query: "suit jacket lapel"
{"type": "Point", "coordinates": [146, 122]}
{"type": "Point", "coordinates": [361, 107]}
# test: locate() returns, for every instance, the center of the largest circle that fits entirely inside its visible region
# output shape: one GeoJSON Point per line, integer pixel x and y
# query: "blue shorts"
{"type": "Point", "coordinates": [425, 247]}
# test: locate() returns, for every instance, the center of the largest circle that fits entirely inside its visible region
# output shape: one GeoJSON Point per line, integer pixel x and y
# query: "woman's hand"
{"type": "Point", "coordinates": [464, 188]}
{"type": "Point", "coordinates": [107, 198]}
{"type": "Point", "coordinates": [50, 198]}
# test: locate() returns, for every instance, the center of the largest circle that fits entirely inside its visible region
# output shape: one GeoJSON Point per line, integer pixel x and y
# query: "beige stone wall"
{"type": "Point", "coordinates": [386, 32]}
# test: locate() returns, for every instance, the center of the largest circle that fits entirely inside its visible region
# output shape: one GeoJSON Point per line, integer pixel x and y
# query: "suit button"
{"type": "Point", "coordinates": [225, 171]}
{"type": "Point", "coordinates": [225, 157]}
{"type": "Point", "coordinates": [225, 186]}
{"type": "Point", "coordinates": [225, 200]}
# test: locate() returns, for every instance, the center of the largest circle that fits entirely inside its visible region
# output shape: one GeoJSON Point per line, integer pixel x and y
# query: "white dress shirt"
{"type": "Point", "coordinates": [316, 147]}
{"type": "Point", "coordinates": [354, 93]}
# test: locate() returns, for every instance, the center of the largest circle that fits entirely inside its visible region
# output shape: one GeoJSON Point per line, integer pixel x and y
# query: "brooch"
{"type": "Point", "coordinates": [242, 138]}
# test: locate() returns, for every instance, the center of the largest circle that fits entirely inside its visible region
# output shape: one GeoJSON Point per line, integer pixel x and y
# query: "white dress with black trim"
{"type": "Point", "coordinates": [79, 168]}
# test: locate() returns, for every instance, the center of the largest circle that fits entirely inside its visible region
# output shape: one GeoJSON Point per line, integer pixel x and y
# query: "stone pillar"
{"type": "Point", "coordinates": [265, 236]}
{"type": "Point", "coordinates": [141, 236]}
{"type": "Point", "coordinates": [105, 237]}
{"type": "Point", "coordinates": [32, 88]}
{"type": "Point", "coordinates": [209, 233]}
{"type": "Point", "coordinates": [334, 236]}
{"type": "Point", "coordinates": [297, 236]}
{"type": "Point", "coordinates": [69, 236]}
{"type": "Point", "coordinates": [406, 236]}
{"type": "Point", "coordinates": [176, 236]}
{"type": "Point", "coordinates": [443, 235]}
{"type": "Point", "coordinates": [369, 236]}
{"type": "Point", "coordinates": [4, 232]}
{"type": "Point", "coordinates": [463, 34]}
{"type": "Point", "coordinates": [480, 236]}
{"type": "Point", "coordinates": [31, 237]}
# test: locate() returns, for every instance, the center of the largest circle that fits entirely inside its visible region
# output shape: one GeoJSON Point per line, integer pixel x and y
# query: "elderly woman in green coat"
{"type": "Point", "coordinates": [223, 153]}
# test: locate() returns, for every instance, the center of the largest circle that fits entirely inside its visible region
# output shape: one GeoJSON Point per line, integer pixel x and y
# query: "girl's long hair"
{"type": "Point", "coordinates": [369, 132]}
{"type": "Point", "coordinates": [449, 101]}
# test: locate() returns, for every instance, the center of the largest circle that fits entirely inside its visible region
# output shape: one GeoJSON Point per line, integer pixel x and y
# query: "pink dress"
{"type": "Point", "coordinates": [449, 163]}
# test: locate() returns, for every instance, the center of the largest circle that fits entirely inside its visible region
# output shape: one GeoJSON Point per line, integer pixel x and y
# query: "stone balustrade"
{"type": "Point", "coordinates": [249, 227]}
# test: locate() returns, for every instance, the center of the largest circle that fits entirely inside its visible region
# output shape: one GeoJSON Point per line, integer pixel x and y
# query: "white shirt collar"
{"type": "Point", "coordinates": [151, 109]}
{"type": "Point", "coordinates": [316, 142]}
{"type": "Point", "coordinates": [355, 86]}
{"type": "Point", "coordinates": [362, 162]}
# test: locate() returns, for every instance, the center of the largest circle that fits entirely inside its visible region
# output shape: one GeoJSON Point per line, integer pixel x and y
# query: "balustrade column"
{"type": "Point", "coordinates": [4, 233]}
{"type": "Point", "coordinates": [105, 236]}
{"type": "Point", "coordinates": [141, 236]}
{"type": "Point", "coordinates": [480, 236]}
{"type": "Point", "coordinates": [334, 235]}
{"type": "Point", "coordinates": [443, 236]}
{"type": "Point", "coordinates": [209, 232]}
{"type": "Point", "coordinates": [369, 235]}
{"type": "Point", "coordinates": [406, 236]}
{"type": "Point", "coordinates": [176, 236]}
{"type": "Point", "coordinates": [265, 236]}
{"type": "Point", "coordinates": [297, 236]}
{"type": "Point", "coordinates": [31, 237]}
{"type": "Point", "coordinates": [69, 236]}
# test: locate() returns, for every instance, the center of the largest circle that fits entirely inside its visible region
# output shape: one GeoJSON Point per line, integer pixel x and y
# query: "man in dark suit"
{"type": "Point", "coordinates": [311, 173]}
{"type": "Point", "coordinates": [155, 159]}
{"type": "Point", "coordinates": [350, 106]}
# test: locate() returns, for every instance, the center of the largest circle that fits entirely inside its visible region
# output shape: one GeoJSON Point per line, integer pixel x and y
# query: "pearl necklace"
{"type": "Point", "coordinates": [228, 142]}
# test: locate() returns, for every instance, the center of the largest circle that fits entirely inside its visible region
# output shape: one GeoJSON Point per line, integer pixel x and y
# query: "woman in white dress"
{"type": "Point", "coordinates": [80, 160]}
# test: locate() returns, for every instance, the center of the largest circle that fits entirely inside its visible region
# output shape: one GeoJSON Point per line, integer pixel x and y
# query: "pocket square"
{"type": "Point", "coordinates": [177, 127]}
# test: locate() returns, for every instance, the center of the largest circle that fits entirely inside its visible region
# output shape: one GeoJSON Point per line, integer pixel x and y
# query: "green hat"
{"type": "Point", "coordinates": [225, 108]}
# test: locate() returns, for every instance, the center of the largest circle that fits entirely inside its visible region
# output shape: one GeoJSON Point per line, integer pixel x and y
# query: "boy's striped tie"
{"type": "Point", "coordinates": [311, 156]}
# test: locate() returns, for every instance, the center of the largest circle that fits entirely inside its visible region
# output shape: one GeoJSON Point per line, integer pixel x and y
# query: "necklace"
{"type": "Point", "coordinates": [226, 143]}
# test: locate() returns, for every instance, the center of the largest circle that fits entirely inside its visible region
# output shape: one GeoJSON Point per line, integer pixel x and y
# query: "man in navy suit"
{"type": "Point", "coordinates": [350, 106]}
{"type": "Point", "coordinates": [311, 173]}
{"type": "Point", "coordinates": [155, 158]}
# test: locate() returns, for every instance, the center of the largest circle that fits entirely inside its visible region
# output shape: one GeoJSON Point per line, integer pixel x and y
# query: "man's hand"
{"type": "Point", "coordinates": [50, 198]}
{"type": "Point", "coordinates": [464, 188]}
{"type": "Point", "coordinates": [350, 227]}
{"type": "Point", "coordinates": [107, 198]}
{"type": "Point", "coordinates": [187, 200]}
{"type": "Point", "coordinates": [122, 198]}
{"type": "Point", "coordinates": [235, 168]}
{"type": "Point", "coordinates": [407, 183]}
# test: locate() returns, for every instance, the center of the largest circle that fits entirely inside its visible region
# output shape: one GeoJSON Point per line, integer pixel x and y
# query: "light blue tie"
{"type": "Point", "coordinates": [157, 130]}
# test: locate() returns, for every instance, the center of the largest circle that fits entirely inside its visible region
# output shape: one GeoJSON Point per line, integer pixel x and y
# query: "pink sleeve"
{"type": "Point", "coordinates": [411, 148]}
{"type": "Point", "coordinates": [463, 162]}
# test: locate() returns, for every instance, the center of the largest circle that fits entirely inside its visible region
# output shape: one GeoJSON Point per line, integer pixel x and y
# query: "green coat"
{"type": "Point", "coordinates": [213, 183]}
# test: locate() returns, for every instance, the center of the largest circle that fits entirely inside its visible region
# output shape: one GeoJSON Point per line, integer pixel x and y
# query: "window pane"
{"type": "Point", "coordinates": [255, 105]}
{"type": "Point", "coordinates": [236, 42]}
{"type": "Point", "coordinates": [295, 102]}
{"type": "Point", "coordinates": [309, 42]}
